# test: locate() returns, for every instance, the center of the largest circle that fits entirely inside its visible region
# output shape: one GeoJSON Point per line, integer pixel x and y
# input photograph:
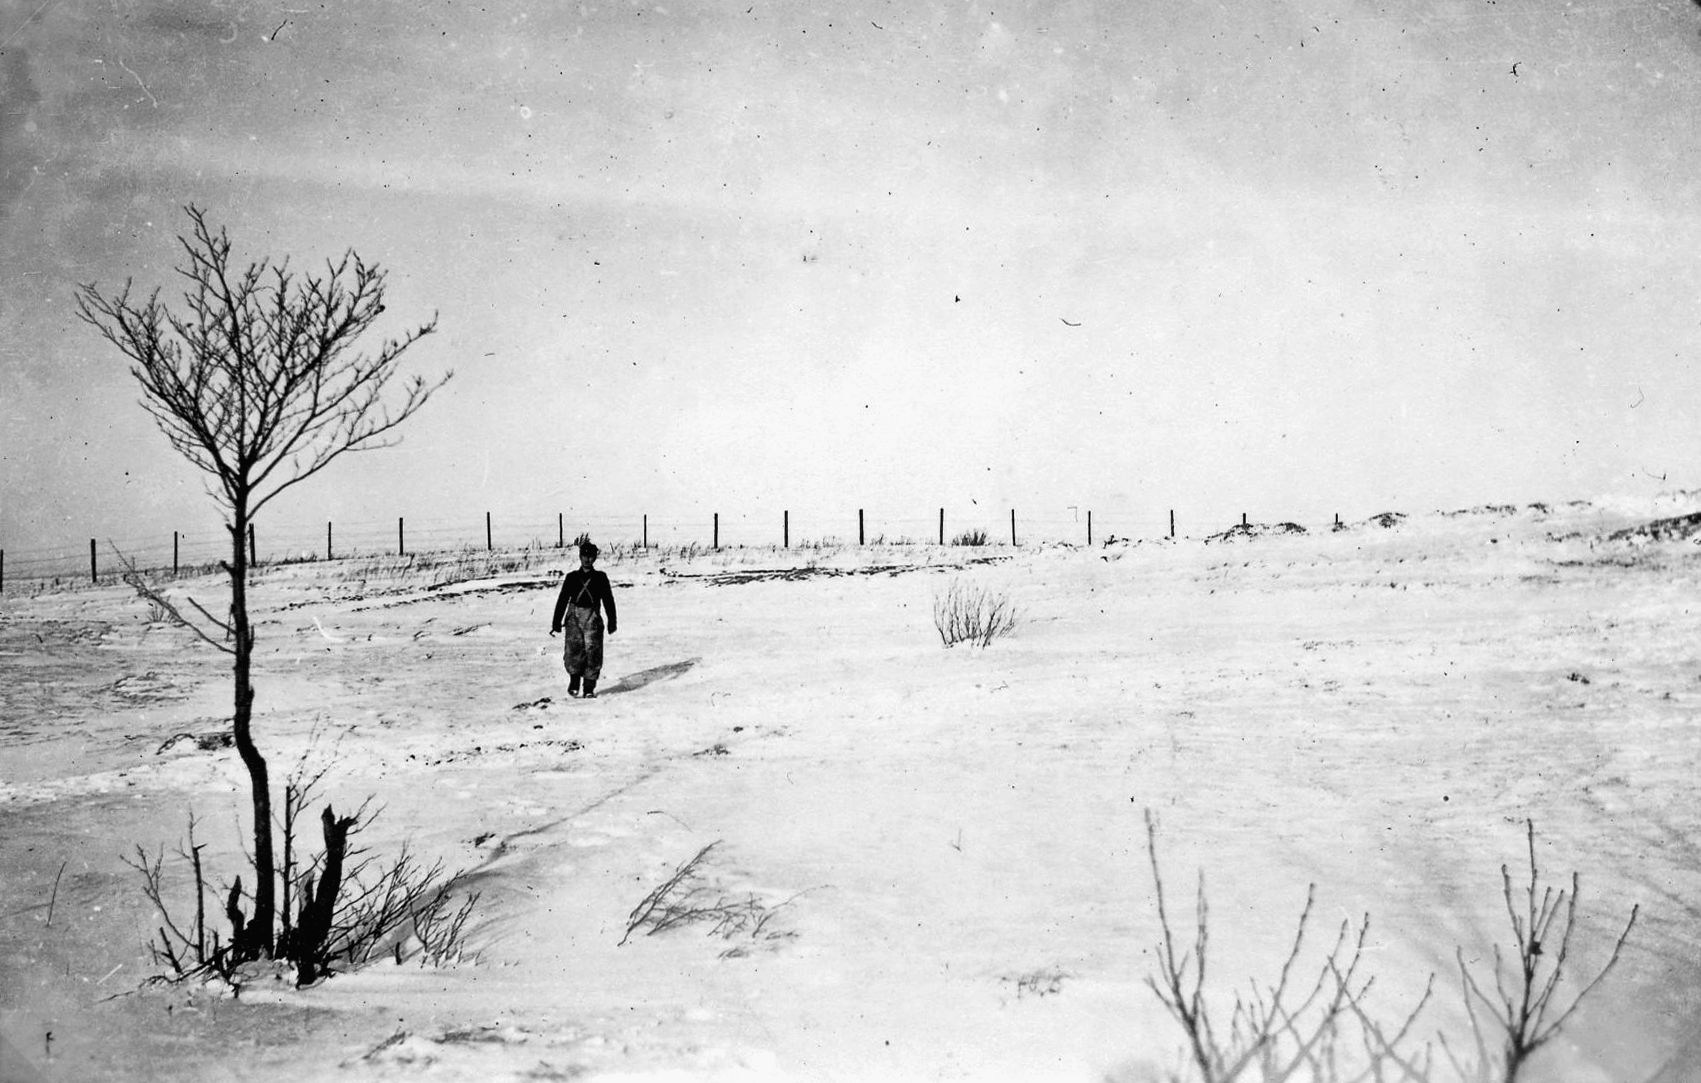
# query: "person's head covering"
{"type": "Point", "coordinates": [588, 549]}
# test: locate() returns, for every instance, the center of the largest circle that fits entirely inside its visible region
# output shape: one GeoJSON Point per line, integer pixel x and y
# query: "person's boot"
{"type": "Point", "coordinates": [590, 691]}
{"type": "Point", "coordinates": [573, 685]}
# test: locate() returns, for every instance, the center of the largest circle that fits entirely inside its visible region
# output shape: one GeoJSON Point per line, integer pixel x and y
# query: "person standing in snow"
{"type": "Point", "coordinates": [578, 610]}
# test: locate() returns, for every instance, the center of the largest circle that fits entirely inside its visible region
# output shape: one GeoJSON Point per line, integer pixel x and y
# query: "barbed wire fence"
{"type": "Point", "coordinates": [183, 552]}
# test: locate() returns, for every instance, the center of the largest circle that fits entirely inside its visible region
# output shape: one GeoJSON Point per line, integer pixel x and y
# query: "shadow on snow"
{"type": "Point", "coordinates": [634, 681]}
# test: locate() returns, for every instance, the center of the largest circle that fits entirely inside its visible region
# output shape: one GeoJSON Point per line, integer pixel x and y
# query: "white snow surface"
{"type": "Point", "coordinates": [950, 844]}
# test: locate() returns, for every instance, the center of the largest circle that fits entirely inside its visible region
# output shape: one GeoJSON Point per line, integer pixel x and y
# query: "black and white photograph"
{"type": "Point", "coordinates": [774, 541]}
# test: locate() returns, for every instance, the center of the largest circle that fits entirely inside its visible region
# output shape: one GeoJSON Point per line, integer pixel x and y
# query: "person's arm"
{"type": "Point", "coordinates": [608, 603]}
{"type": "Point", "coordinates": [560, 605]}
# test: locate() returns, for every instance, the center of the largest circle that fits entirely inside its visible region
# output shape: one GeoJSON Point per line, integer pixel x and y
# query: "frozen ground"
{"type": "Point", "coordinates": [950, 842]}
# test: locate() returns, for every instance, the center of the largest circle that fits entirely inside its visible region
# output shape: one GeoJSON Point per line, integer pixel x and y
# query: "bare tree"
{"type": "Point", "coordinates": [256, 381]}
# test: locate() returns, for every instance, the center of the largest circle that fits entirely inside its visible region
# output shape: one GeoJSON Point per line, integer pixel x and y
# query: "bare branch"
{"type": "Point", "coordinates": [255, 380]}
{"type": "Point", "coordinates": [1383, 1049]}
{"type": "Point", "coordinates": [1617, 950]}
{"type": "Point", "coordinates": [134, 578]}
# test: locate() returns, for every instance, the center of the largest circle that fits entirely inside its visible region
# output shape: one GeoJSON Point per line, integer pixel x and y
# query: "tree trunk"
{"type": "Point", "coordinates": [320, 906]}
{"type": "Point", "coordinates": [262, 924]}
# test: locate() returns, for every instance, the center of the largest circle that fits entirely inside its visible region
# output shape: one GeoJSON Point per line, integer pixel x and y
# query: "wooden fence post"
{"type": "Point", "coordinates": [941, 526]}
{"type": "Point", "coordinates": [94, 576]}
{"type": "Point", "coordinates": [1172, 522]}
{"type": "Point", "coordinates": [253, 553]}
{"type": "Point", "coordinates": [2, 571]}
{"type": "Point", "coordinates": [859, 531]}
{"type": "Point", "coordinates": [401, 539]}
{"type": "Point", "coordinates": [1012, 528]}
{"type": "Point", "coordinates": [717, 530]}
{"type": "Point", "coordinates": [487, 545]}
{"type": "Point", "coordinates": [646, 531]}
{"type": "Point", "coordinates": [1243, 518]}
{"type": "Point", "coordinates": [174, 552]}
{"type": "Point", "coordinates": [1089, 529]}
{"type": "Point", "coordinates": [560, 530]}
{"type": "Point", "coordinates": [785, 530]}
{"type": "Point", "coordinates": [327, 540]}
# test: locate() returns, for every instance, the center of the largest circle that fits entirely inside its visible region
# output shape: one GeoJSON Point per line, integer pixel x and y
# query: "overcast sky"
{"type": "Point", "coordinates": [1291, 257]}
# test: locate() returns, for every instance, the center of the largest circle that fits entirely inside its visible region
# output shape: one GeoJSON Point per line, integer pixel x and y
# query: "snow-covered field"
{"type": "Point", "coordinates": [948, 845]}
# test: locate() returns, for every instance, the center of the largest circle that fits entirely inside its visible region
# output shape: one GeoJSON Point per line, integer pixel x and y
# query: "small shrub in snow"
{"type": "Point", "coordinates": [1305, 1030]}
{"type": "Point", "coordinates": [1276, 1031]}
{"type": "Point", "coordinates": [969, 614]}
{"type": "Point", "coordinates": [970, 537]}
{"type": "Point", "coordinates": [1522, 1015]}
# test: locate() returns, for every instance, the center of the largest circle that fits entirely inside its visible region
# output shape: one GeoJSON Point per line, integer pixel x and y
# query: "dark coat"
{"type": "Point", "coordinates": [582, 588]}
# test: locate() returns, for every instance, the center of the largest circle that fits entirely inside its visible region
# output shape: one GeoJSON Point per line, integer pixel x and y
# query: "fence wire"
{"type": "Point", "coordinates": [208, 545]}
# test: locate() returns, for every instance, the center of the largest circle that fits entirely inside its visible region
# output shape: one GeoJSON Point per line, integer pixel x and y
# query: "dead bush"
{"type": "Point", "coordinates": [1292, 1028]}
{"type": "Point", "coordinates": [337, 910]}
{"type": "Point", "coordinates": [1320, 1030]}
{"type": "Point", "coordinates": [965, 613]}
{"type": "Point", "coordinates": [1523, 1015]}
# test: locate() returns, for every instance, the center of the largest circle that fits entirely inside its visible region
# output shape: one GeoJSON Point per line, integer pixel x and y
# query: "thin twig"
{"type": "Point", "coordinates": [54, 898]}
